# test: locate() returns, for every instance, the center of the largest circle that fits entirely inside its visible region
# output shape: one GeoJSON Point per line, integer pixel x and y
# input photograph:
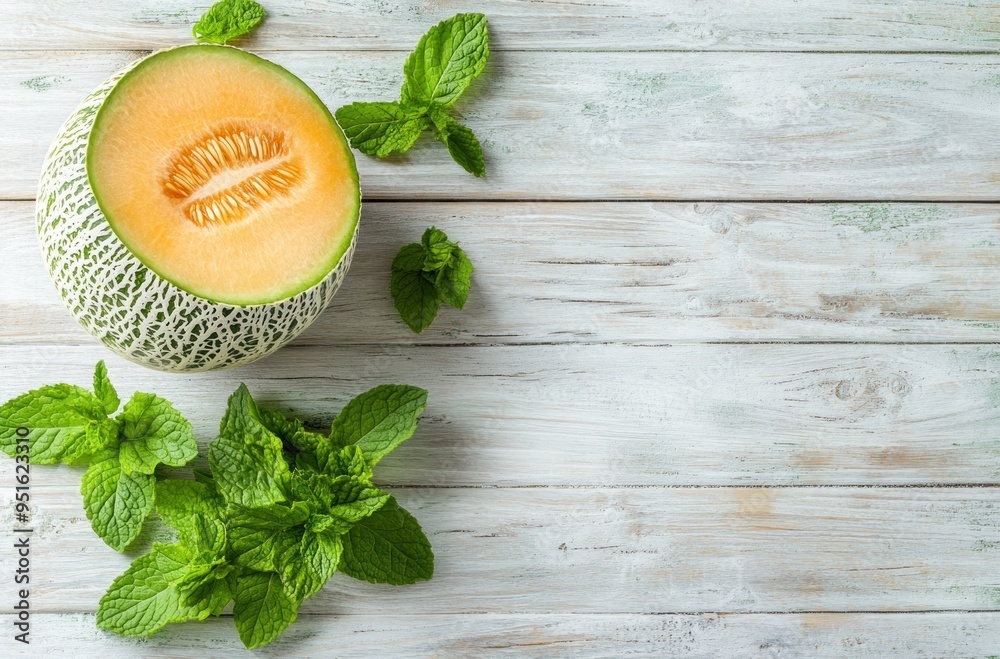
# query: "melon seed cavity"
{"type": "Point", "coordinates": [229, 172]}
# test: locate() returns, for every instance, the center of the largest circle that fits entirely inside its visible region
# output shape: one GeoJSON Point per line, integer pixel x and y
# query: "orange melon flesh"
{"type": "Point", "coordinates": [224, 174]}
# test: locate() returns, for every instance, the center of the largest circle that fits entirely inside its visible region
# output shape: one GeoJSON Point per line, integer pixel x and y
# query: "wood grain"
{"type": "Point", "coordinates": [645, 550]}
{"type": "Point", "coordinates": [748, 126]}
{"type": "Point", "coordinates": [598, 474]}
{"type": "Point", "coordinates": [847, 25]}
{"type": "Point", "coordinates": [636, 272]}
{"type": "Point", "coordinates": [615, 414]}
{"type": "Point", "coordinates": [882, 636]}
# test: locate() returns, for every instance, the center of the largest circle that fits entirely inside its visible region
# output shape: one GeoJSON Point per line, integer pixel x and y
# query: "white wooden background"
{"type": "Point", "coordinates": [729, 380]}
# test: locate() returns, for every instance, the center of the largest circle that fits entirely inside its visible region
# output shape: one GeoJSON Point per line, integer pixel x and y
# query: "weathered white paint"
{"type": "Point", "coordinates": [636, 272]}
{"type": "Point", "coordinates": [629, 125]}
{"type": "Point", "coordinates": [615, 414]}
{"type": "Point", "coordinates": [626, 550]}
{"type": "Point", "coordinates": [617, 300]}
{"type": "Point", "coordinates": [921, 25]}
{"type": "Point", "coordinates": [704, 636]}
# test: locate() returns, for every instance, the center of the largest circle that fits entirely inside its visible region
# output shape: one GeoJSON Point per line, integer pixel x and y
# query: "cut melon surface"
{"type": "Point", "coordinates": [199, 209]}
{"type": "Point", "coordinates": [224, 174]}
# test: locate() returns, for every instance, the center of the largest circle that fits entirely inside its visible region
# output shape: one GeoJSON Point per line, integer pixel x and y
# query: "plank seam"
{"type": "Point", "coordinates": [675, 486]}
{"type": "Point", "coordinates": [635, 51]}
{"type": "Point", "coordinates": [792, 612]}
{"type": "Point", "coordinates": [634, 200]}
{"type": "Point", "coordinates": [542, 344]}
{"type": "Point", "coordinates": [695, 486]}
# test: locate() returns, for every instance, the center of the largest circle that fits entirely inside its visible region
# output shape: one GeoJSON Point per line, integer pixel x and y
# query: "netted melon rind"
{"type": "Point", "coordinates": [131, 309]}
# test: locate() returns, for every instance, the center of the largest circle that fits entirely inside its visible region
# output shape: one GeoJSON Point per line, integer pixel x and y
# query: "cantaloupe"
{"type": "Point", "coordinates": [199, 209]}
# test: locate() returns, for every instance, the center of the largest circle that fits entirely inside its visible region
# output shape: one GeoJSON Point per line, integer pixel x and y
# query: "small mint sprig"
{"type": "Point", "coordinates": [447, 59]}
{"type": "Point", "coordinates": [228, 19]}
{"type": "Point", "coordinates": [282, 510]}
{"type": "Point", "coordinates": [72, 425]}
{"type": "Point", "coordinates": [427, 273]}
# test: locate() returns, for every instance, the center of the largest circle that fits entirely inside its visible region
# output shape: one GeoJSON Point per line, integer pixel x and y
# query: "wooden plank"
{"type": "Point", "coordinates": [542, 635]}
{"type": "Point", "coordinates": [636, 272]}
{"type": "Point", "coordinates": [638, 550]}
{"type": "Point", "coordinates": [616, 415]}
{"type": "Point", "coordinates": [919, 25]}
{"type": "Point", "coordinates": [582, 125]}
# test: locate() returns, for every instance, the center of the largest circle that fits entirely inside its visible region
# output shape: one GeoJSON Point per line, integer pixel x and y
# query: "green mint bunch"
{"type": "Point", "coordinates": [71, 425]}
{"type": "Point", "coordinates": [427, 273]}
{"type": "Point", "coordinates": [447, 59]}
{"type": "Point", "coordinates": [190, 579]}
{"type": "Point", "coordinates": [282, 509]}
{"type": "Point", "coordinates": [227, 20]}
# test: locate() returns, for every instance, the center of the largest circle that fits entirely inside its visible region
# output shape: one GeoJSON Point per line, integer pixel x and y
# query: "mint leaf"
{"type": "Point", "coordinates": [344, 515]}
{"type": "Point", "coordinates": [246, 460]}
{"type": "Point", "coordinates": [379, 420]}
{"type": "Point", "coordinates": [228, 19]}
{"type": "Point", "coordinates": [305, 460]}
{"type": "Point", "coordinates": [305, 568]}
{"type": "Point", "coordinates": [380, 129]}
{"type": "Point", "coordinates": [247, 474]}
{"type": "Point", "coordinates": [388, 547]}
{"type": "Point", "coordinates": [462, 143]}
{"type": "Point", "coordinates": [141, 601]}
{"type": "Point", "coordinates": [274, 539]}
{"type": "Point", "coordinates": [116, 503]}
{"type": "Point", "coordinates": [203, 545]}
{"type": "Point", "coordinates": [100, 442]}
{"type": "Point", "coordinates": [413, 294]}
{"type": "Point", "coordinates": [56, 417]}
{"type": "Point", "coordinates": [260, 536]}
{"type": "Point", "coordinates": [104, 390]}
{"type": "Point", "coordinates": [153, 432]}
{"type": "Point", "coordinates": [312, 442]}
{"type": "Point", "coordinates": [437, 250]}
{"type": "Point", "coordinates": [457, 280]}
{"type": "Point", "coordinates": [301, 542]}
{"type": "Point", "coordinates": [262, 610]}
{"type": "Point", "coordinates": [305, 449]}
{"type": "Point", "coordinates": [148, 595]}
{"type": "Point", "coordinates": [349, 461]}
{"type": "Point", "coordinates": [314, 450]}
{"type": "Point", "coordinates": [283, 427]}
{"type": "Point", "coordinates": [243, 418]}
{"type": "Point", "coordinates": [208, 538]}
{"type": "Point", "coordinates": [177, 500]}
{"type": "Point", "coordinates": [427, 273]}
{"type": "Point", "coordinates": [252, 529]}
{"type": "Point", "coordinates": [207, 594]}
{"type": "Point", "coordinates": [340, 500]}
{"type": "Point", "coordinates": [321, 551]}
{"type": "Point", "coordinates": [181, 503]}
{"type": "Point", "coordinates": [447, 59]}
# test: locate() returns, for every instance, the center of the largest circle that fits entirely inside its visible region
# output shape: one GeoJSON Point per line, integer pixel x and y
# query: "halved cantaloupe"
{"type": "Point", "coordinates": [199, 209]}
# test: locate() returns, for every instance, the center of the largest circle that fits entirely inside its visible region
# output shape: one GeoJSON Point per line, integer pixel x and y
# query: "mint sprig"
{"type": "Point", "coordinates": [246, 459]}
{"type": "Point", "coordinates": [188, 580]}
{"type": "Point", "coordinates": [426, 274]}
{"type": "Point", "coordinates": [282, 510]}
{"type": "Point", "coordinates": [68, 424]}
{"type": "Point", "coordinates": [446, 60]}
{"type": "Point", "coordinates": [227, 20]}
